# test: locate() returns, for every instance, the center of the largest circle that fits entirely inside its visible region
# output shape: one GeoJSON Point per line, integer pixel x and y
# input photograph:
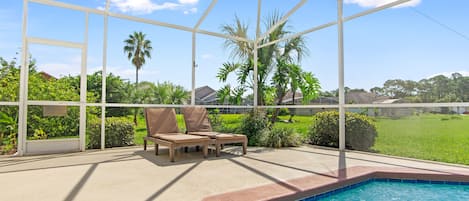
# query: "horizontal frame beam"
{"type": "Point", "coordinates": [136, 19]}
{"type": "Point", "coordinates": [69, 6]}
{"type": "Point", "coordinates": [207, 11]}
{"type": "Point", "coordinates": [54, 103]}
{"type": "Point", "coordinates": [329, 24]}
{"type": "Point", "coordinates": [282, 20]}
{"type": "Point", "coordinates": [2, 103]}
{"type": "Point", "coordinates": [407, 105]}
{"type": "Point", "coordinates": [52, 42]}
{"type": "Point", "coordinates": [393, 105]}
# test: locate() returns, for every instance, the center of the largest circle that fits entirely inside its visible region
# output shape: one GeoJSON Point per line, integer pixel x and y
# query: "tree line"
{"type": "Point", "coordinates": [436, 89]}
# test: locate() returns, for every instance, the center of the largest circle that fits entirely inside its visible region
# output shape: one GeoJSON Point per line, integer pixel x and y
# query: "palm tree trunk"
{"type": "Point", "coordinates": [136, 94]}
{"type": "Point", "coordinates": [292, 110]}
{"type": "Point", "coordinates": [136, 78]}
{"type": "Point", "coordinates": [135, 116]}
{"type": "Point", "coordinates": [277, 110]}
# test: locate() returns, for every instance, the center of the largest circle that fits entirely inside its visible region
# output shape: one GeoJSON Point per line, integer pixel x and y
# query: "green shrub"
{"type": "Point", "coordinates": [280, 137]}
{"type": "Point", "coordinates": [119, 132]}
{"type": "Point", "coordinates": [360, 131]}
{"type": "Point", "coordinates": [216, 121]}
{"type": "Point", "coordinates": [10, 146]}
{"type": "Point", "coordinates": [253, 125]}
{"type": "Point", "coordinates": [39, 134]}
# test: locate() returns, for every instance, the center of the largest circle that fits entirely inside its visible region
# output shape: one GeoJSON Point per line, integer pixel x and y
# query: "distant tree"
{"type": "Point", "coordinates": [441, 88]}
{"type": "Point", "coordinates": [438, 88]}
{"type": "Point", "coordinates": [169, 93]}
{"type": "Point", "coordinates": [377, 90]}
{"type": "Point", "coordinates": [137, 48]}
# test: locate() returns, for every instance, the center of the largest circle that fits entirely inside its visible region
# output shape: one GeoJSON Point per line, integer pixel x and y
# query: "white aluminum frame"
{"type": "Point", "coordinates": [340, 39]}
{"type": "Point", "coordinates": [23, 99]}
{"type": "Point", "coordinates": [23, 102]}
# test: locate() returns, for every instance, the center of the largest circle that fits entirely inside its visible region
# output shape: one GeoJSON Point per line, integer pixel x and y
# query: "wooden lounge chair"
{"type": "Point", "coordinates": [162, 129]}
{"type": "Point", "coordinates": [197, 123]}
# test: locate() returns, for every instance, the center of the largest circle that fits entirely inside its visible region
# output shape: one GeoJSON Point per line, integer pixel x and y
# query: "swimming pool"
{"type": "Point", "coordinates": [398, 189]}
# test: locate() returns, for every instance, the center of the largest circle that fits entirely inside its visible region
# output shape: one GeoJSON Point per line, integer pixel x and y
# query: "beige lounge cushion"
{"type": "Point", "coordinates": [161, 120]}
{"type": "Point", "coordinates": [222, 136]}
{"type": "Point", "coordinates": [196, 119]}
{"type": "Point", "coordinates": [208, 134]}
{"type": "Point", "coordinates": [228, 136]}
{"type": "Point", "coordinates": [181, 138]}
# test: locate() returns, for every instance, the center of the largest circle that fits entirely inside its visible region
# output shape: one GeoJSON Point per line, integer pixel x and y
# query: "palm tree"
{"type": "Point", "coordinates": [137, 49]}
{"type": "Point", "coordinates": [289, 51]}
{"type": "Point", "coordinates": [280, 59]}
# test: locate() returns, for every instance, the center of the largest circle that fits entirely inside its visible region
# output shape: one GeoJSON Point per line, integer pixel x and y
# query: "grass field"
{"type": "Point", "coordinates": [435, 137]}
{"type": "Point", "coordinates": [432, 137]}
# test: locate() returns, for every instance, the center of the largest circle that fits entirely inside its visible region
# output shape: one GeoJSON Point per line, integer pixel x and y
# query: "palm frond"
{"type": "Point", "coordinates": [226, 70]}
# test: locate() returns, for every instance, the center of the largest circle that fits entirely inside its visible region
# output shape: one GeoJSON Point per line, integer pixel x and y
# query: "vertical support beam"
{"type": "Point", "coordinates": [258, 21]}
{"type": "Point", "coordinates": [255, 91]}
{"type": "Point", "coordinates": [103, 79]}
{"type": "Point", "coordinates": [258, 31]}
{"type": "Point", "coordinates": [23, 107]}
{"type": "Point", "coordinates": [340, 30]}
{"type": "Point", "coordinates": [83, 86]}
{"type": "Point", "coordinates": [193, 69]}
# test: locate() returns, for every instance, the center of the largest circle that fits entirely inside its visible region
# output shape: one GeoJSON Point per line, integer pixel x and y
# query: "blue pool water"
{"type": "Point", "coordinates": [397, 189]}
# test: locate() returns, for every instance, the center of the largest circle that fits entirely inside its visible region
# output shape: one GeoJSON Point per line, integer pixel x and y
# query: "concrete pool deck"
{"type": "Point", "coordinates": [263, 174]}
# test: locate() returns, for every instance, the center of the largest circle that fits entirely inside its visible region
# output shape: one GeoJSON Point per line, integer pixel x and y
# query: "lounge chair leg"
{"type": "Point", "coordinates": [217, 149]}
{"type": "Point", "coordinates": [222, 146]}
{"type": "Point", "coordinates": [156, 148]}
{"type": "Point", "coordinates": [144, 145]}
{"type": "Point", "coordinates": [171, 153]}
{"type": "Point", "coordinates": [245, 144]}
{"type": "Point", "coordinates": [205, 150]}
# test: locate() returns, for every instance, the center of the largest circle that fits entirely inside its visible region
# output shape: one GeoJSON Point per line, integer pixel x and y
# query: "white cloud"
{"type": "Point", "coordinates": [448, 74]}
{"type": "Point", "coordinates": [148, 6]}
{"type": "Point", "coordinates": [376, 3]}
{"type": "Point", "coordinates": [188, 1]}
{"type": "Point", "coordinates": [190, 11]}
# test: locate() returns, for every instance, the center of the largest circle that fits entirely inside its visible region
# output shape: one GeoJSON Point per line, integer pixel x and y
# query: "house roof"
{"type": "Point", "coordinates": [47, 76]}
{"type": "Point", "coordinates": [361, 97]}
{"type": "Point", "coordinates": [205, 94]}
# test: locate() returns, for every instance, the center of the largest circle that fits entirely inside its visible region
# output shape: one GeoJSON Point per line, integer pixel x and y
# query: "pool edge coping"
{"type": "Point", "coordinates": [303, 187]}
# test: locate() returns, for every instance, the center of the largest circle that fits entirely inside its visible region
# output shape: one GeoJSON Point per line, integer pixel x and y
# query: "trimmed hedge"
{"type": "Point", "coordinates": [360, 130]}
{"type": "Point", "coordinates": [119, 132]}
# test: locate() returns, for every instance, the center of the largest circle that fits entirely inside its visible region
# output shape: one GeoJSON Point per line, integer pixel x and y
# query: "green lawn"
{"type": "Point", "coordinates": [432, 137]}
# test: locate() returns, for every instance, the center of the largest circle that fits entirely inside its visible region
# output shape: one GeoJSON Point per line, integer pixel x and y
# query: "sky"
{"type": "Point", "coordinates": [413, 41]}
